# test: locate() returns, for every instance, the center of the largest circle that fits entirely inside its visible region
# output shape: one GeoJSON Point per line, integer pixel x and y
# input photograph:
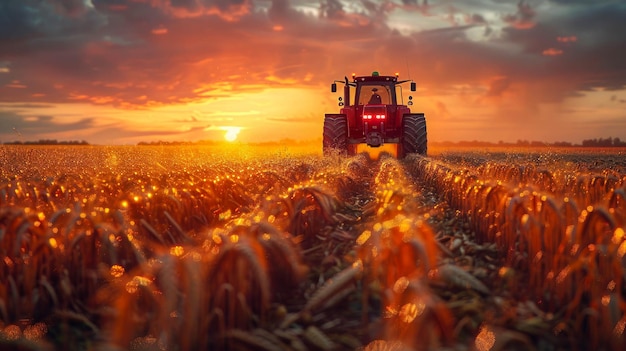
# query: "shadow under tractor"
{"type": "Point", "coordinates": [378, 117]}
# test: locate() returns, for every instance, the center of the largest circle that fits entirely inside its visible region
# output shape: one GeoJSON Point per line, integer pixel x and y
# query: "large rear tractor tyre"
{"type": "Point", "coordinates": [335, 135]}
{"type": "Point", "coordinates": [414, 137]}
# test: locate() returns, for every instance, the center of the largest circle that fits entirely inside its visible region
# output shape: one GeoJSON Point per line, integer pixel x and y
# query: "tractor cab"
{"type": "Point", "coordinates": [377, 116]}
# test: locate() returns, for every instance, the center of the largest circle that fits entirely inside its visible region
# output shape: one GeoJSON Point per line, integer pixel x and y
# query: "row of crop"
{"type": "Point", "coordinates": [569, 255]}
{"type": "Point", "coordinates": [73, 242]}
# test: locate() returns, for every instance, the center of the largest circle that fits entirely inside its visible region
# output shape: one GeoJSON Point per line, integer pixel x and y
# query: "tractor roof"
{"type": "Point", "coordinates": [375, 77]}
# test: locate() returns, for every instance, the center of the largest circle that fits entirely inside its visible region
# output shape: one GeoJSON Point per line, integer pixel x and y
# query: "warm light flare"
{"type": "Point", "coordinates": [231, 133]}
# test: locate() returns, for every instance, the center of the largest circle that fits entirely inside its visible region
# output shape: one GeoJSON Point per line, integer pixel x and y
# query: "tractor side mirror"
{"type": "Point", "coordinates": [333, 87]}
{"type": "Point", "coordinates": [413, 86]}
{"type": "Point", "coordinates": [410, 101]}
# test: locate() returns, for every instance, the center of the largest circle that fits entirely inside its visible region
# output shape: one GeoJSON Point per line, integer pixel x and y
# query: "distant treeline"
{"type": "Point", "coordinates": [608, 142]}
{"type": "Point", "coordinates": [178, 143]}
{"type": "Point", "coordinates": [47, 142]}
{"type": "Point", "coordinates": [601, 142]}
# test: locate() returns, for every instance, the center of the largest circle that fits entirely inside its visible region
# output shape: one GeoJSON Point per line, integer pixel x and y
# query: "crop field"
{"type": "Point", "coordinates": [242, 248]}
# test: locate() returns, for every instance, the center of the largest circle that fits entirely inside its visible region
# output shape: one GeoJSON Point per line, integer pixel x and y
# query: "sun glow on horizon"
{"type": "Point", "coordinates": [231, 133]}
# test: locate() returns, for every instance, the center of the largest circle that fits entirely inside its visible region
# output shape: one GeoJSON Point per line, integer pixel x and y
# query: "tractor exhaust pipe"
{"type": "Point", "coordinates": [346, 91]}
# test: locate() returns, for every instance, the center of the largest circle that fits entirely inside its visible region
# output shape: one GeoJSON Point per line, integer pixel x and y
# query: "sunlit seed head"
{"type": "Point", "coordinates": [390, 312]}
{"type": "Point", "coordinates": [525, 218]}
{"type": "Point", "coordinates": [618, 331]}
{"type": "Point", "coordinates": [36, 331]}
{"type": "Point", "coordinates": [216, 239]}
{"type": "Point", "coordinates": [611, 285]}
{"type": "Point", "coordinates": [116, 271]}
{"type": "Point", "coordinates": [131, 287]}
{"type": "Point", "coordinates": [485, 339]}
{"type": "Point", "coordinates": [400, 285]}
{"type": "Point", "coordinates": [502, 272]}
{"type": "Point", "coordinates": [11, 332]}
{"type": "Point", "coordinates": [137, 281]}
{"type": "Point", "coordinates": [41, 216]}
{"type": "Point", "coordinates": [621, 251]}
{"type": "Point", "coordinates": [177, 251]}
{"type": "Point", "coordinates": [405, 225]}
{"type": "Point", "coordinates": [234, 238]}
{"type": "Point", "coordinates": [583, 216]}
{"type": "Point", "coordinates": [562, 275]}
{"type": "Point", "coordinates": [53, 243]}
{"type": "Point", "coordinates": [124, 204]}
{"type": "Point", "coordinates": [410, 311]}
{"type": "Point", "coordinates": [389, 224]}
{"type": "Point", "coordinates": [364, 237]}
{"type": "Point", "coordinates": [266, 236]}
{"type": "Point", "coordinates": [618, 235]}
{"type": "Point", "coordinates": [225, 215]}
{"type": "Point", "coordinates": [605, 300]}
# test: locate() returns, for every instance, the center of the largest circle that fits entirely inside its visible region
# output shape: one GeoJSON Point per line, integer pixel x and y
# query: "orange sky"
{"type": "Point", "coordinates": [124, 71]}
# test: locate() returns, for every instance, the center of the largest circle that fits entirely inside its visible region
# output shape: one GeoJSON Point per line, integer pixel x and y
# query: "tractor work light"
{"type": "Point", "coordinates": [379, 117]}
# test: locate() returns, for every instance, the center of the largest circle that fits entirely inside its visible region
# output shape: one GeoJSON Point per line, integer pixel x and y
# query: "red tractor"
{"type": "Point", "coordinates": [377, 117]}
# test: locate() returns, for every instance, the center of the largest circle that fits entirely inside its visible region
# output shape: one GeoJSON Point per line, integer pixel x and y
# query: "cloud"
{"type": "Point", "coordinates": [523, 18]}
{"type": "Point", "coordinates": [135, 54]}
{"type": "Point", "coordinates": [37, 125]}
{"type": "Point", "coordinates": [150, 53]}
{"type": "Point", "coordinates": [552, 52]}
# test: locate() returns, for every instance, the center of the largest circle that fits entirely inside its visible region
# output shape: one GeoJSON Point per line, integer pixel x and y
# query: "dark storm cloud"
{"type": "Point", "coordinates": [14, 122]}
{"type": "Point", "coordinates": [523, 18]}
{"type": "Point", "coordinates": [17, 21]}
{"type": "Point", "coordinates": [590, 48]}
{"type": "Point", "coordinates": [70, 7]}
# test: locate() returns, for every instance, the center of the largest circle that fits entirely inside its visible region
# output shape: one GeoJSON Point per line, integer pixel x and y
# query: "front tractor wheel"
{"type": "Point", "coordinates": [335, 135]}
{"type": "Point", "coordinates": [414, 138]}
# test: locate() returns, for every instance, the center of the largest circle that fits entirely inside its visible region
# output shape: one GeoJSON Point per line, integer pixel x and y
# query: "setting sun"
{"type": "Point", "coordinates": [231, 133]}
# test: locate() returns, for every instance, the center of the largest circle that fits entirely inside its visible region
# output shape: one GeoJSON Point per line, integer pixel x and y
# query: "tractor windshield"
{"type": "Point", "coordinates": [374, 94]}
